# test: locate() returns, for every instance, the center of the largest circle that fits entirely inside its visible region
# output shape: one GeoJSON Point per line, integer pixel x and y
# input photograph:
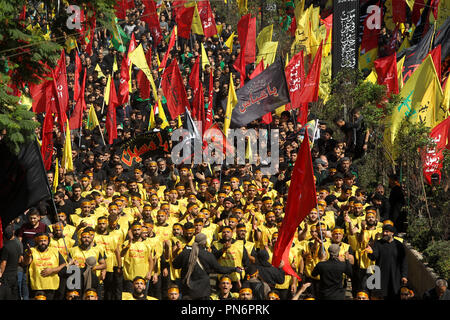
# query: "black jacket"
{"type": "Point", "coordinates": [331, 278]}
{"type": "Point", "coordinates": [200, 285]}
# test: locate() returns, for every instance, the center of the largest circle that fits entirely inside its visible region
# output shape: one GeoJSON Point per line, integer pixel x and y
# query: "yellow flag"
{"type": "Point", "coordinates": [162, 115]}
{"type": "Point", "coordinates": [248, 151]}
{"type": "Point", "coordinates": [55, 177]}
{"type": "Point", "coordinates": [366, 59]}
{"type": "Point", "coordinates": [151, 119]}
{"type": "Point", "coordinates": [196, 27]}
{"type": "Point", "coordinates": [205, 60]}
{"type": "Point", "coordinates": [157, 60]}
{"type": "Point", "coordinates": [66, 161]}
{"type": "Point", "coordinates": [268, 52]}
{"type": "Point", "coordinates": [115, 67]}
{"type": "Point", "coordinates": [446, 98]}
{"type": "Point", "coordinates": [180, 123]}
{"type": "Point", "coordinates": [325, 78]}
{"type": "Point", "coordinates": [265, 35]}
{"type": "Point", "coordinates": [419, 103]}
{"type": "Point", "coordinates": [99, 70]}
{"type": "Point", "coordinates": [107, 89]}
{"type": "Point", "coordinates": [229, 42]}
{"type": "Point", "coordinates": [92, 119]}
{"type": "Point", "coordinates": [25, 101]}
{"type": "Point", "coordinates": [400, 73]}
{"type": "Point", "coordinates": [231, 102]}
{"type": "Point", "coordinates": [242, 6]}
{"type": "Point", "coordinates": [372, 77]}
{"type": "Point", "coordinates": [137, 57]}
{"type": "Point", "coordinates": [71, 44]}
{"type": "Point", "coordinates": [443, 12]}
{"type": "Point", "coordinates": [219, 28]}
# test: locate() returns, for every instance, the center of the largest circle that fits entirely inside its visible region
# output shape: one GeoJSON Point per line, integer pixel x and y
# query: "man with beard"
{"type": "Point", "coordinates": [110, 244]}
{"type": "Point", "coordinates": [225, 290]}
{"type": "Point", "coordinates": [44, 265]}
{"type": "Point", "coordinates": [389, 254]}
{"type": "Point", "coordinates": [265, 231]}
{"type": "Point", "coordinates": [369, 232]}
{"type": "Point", "coordinates": [138, 292]}
{"type": "Point", "coordinates": [230, 253]}
{"type": "Point", "coordinates": [137, 258]}
{"type": "Point", "coordinates": [82, 254]}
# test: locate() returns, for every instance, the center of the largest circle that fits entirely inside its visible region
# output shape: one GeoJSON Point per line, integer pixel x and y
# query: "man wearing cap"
{"type": "Point", "coordinates": [44, 265]}
{"type": "Point", "coordinates": [137, 258]}
{"type": "Point", "coordinates": [331, 274]}
{"type": "Point", "coordinates": [389, 254]}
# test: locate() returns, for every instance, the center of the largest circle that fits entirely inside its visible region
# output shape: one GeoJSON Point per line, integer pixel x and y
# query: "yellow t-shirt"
{"type": "Point", "coordinates": [62, 244]}
{"type": "Point", "coordinates": [81, 255]}
{"type": "Point", "coordinates": [136, 260]}
{"type": "Point", "coordinates": [110, 245]}
{"type": "Point", "coordinates": [50, 258]}
{"type": "Point", "coordinates": [231, 257]}
{"type": "Point", "coordinates": [129, 296]}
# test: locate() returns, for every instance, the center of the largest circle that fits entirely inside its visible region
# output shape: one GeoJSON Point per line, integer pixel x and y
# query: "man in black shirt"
{"type": "Point", "coordinates": [63, 205]}
{"type": "Point", "coordinates": [331, 275]}
{"type": "Point", "coordinates": [10, 257]}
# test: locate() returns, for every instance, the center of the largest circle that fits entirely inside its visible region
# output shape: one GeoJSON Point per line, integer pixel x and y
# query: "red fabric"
{"type": "Point", "coordinates": [124, 87]}
{"type": "Point", "coordinates": [47, 141]}
{"type": "Point", "coordinates": [310, 91]}
{"type": "Point", "coordinates": [184, 21]}
{"type": "Point", "coordinates": [93, 23]}
{"type": "Point", "coordinates": [174, 91]}
{"type": "Point", "coordinates": [246, 28]}
{"type": "Point", "coordinates": [76, 86]}
{"type": "Point", "coordinates": [208, 116]}
{"type": "Point", "coordinates": [386, 69]}
{"type": "Point", "coordinates": [207, 19]}
{"type": "Point", "coordinates": [258, 69]}
{"type": "Point", "coordinates": [62, 93]}
{"type": "Point", "coordinates": [166, 56]}
{"type": "Point", "coordinates": [194, 77]}
{"type": "Point", "coordinates": [151, 18]}
{"type": "Point", "coordinates": [369, 39]}
{"type": "Point", "coordinates": [111, 122]}
{"type": "Point", "coordinates": [301, 199]}
{"type": "Point", "coordinates": [121, 9]}
{"type": "Point", "coordinates": [295, 78]}
{"type": "Point", "coordinates": [302, 116]}
{"type": "Point", "coordinates": [432, 159]}
{"type": "Point", "coordinates": [141, 79]}
{"type": "Point", "coordinates": [398, 11]}
{"type": "Point", "coordinates": [239, 65]}
{"type": "Point", "coordinates": [23, 13]}
{"type": "Point", "coordinates": [293, 27]}
{"type": "Point", "coordinates": [436, 56]}
{"type": "Point", "coordinates": [77, 114]}
{"type": "Point", "coordinates": [198, 105]}
{"type": "Point", "coordinates": [415, 16]}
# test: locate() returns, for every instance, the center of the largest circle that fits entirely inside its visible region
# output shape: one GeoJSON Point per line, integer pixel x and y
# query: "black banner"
{"type": "Point", "coordinates": [23, 181]}
{"type": "Point", "coordinates": [261, 95]}
{"type": "Point", "coordinates": [345, 35]}
{"type": "Point", "coordinates": [146, 145]}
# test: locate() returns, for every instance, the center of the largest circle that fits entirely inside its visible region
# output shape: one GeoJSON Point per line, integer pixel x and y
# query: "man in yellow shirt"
{"type": "Point", "coordinates": [138, 291]}
{"type": "Point", "coordinates": [265, 231]}
{"type": "Point", "coordinates": [44, 265]}
{"type": "Point", "coordinates": [80, 253]}
{"type": "Point", "coordinates": [137, 258]}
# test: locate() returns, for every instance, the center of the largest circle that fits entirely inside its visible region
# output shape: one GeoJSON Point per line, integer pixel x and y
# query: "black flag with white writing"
{"type": "Point", "coordinates": [261, 95]}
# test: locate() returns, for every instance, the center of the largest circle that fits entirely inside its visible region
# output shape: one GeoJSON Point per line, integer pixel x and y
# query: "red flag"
{"type": "Point", "coordinates": [398, 11]}
{"type": "Point", "coordinates": [386, 69]}
{"type": "Point", "coordinates": [436, 56]}
{"type": "Point", "coordinates": [218, 139]}
{"type": "Point", "coordinates": [258, 69]}
{"type": "Point", "coordinates": [208, 116]}
{"type": "Point", "coordinates": [301, 200]}
{"type": "Point", "coordinates": [302, 116]}
{"type": "Point", "coordinates": [293, 27]}
{"type": "Point", "coordinates": [77, 114]}
{"type": "Point", "coordinates": [93, 23]}
{"type": "Point", "coordinates": [295, 78]}
{"type": "Point", "coordinates": [432, 158]}
{"type": "Point", "coordinates": [142, 80]}
{"type": "Point", "coordinates": [23, 13]}
{"type": "Point", "coordinates": [310, 91]}
{"type": "Point", "coordinates": [207, 19]}
{"type": "Point", "coordinates": [62, 93]}
{"type": "Point", "coordinates": [247, 37]}
{"type": "Point", "coordinates": [166, 55]}
{"type": "Point", "coordinates": [124, 86]}
{"type": "Point", "coordinates": [369, 39]}
{"type": "Point", "coordinates": [415, 16]}
{"type": "Point", "coordinates": [111, 121]}
{"type": "Point", "coordinates": [150, 16]}
{"type": "Point", "coordinates": [194, 77]}
{"type": "Point", "coordinates": [121, 9]}
{"type": "Point", "coordinates": [76, 86]}
{"type": "Point", "coordinates": [47, 141]}
{"type": "Point", "coordinates": [184, 21]}
{"type": "Point", "coordinates": [174, 91]}
{"type": "Point", "coordinates": [198, 105]}
{"type": "Point", "coordinates": [239, 65]}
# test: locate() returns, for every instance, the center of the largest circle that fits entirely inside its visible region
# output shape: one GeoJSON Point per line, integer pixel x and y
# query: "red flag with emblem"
{"type": "Point", "coordinates": [47, 141]}
{"type": "Point", "coordinates": [174, 91]}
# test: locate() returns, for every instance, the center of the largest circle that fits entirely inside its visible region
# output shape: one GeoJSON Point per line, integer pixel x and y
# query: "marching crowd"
{"type": "Point", "coordinates": [199, 232]}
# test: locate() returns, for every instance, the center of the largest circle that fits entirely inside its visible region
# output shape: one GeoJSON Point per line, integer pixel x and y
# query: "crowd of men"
{"type": "Point", "coordinates": [179, 232]}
